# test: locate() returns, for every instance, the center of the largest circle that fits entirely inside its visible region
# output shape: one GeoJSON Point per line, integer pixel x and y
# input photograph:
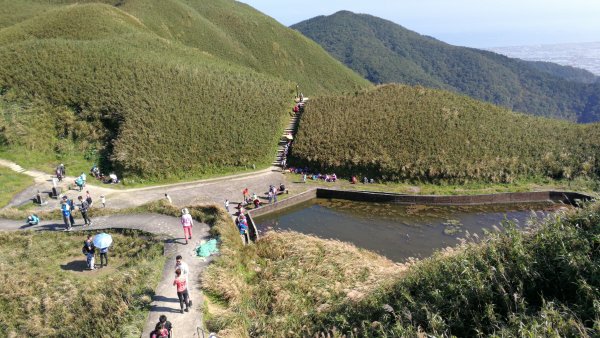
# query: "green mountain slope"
{"type": "Point", "coordinates": [385, 52]}
{"type": "Point", "coordinates": [148, 92]}
{"type": "Point", "coordinates": [416, 134]}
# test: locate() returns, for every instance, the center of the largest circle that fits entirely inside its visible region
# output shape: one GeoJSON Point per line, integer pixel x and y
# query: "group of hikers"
{"type": "Point", "coordinates": [81, 180]}
{"type": "Point", "coordinates": [164, 328]}
{"type": "Point", "coordinates": [68, 207]}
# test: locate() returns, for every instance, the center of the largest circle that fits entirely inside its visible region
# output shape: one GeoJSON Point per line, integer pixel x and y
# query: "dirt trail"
{"type": "Point", "coordinates": [165, 299]}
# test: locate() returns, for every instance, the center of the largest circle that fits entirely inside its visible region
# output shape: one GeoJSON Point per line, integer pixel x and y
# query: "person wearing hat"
{"type": "Point", "coordinates": [187, 223]}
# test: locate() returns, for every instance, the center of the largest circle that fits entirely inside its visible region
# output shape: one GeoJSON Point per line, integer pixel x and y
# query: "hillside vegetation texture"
{"type": "Point", "coordinates": [154, 89]}
{"type": "Point", "coordinates": [47, 294]}
{"type": "Point", "coordinates": [385, 52]}
{"type": "Point", "coordinates": [404, 133]}
{"type": "Point", "coordinates": [541, 283]}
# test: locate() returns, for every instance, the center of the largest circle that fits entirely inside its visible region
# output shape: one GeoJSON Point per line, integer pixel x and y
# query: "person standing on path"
{"type": "Point", "coordinates": [187, 222]}
{"type": "Point", "coordinates": [84, 207]}
{"type": "Point", "coordinates": [89, 251]}
{"type": "Point", "coordinates": [71, 205]}
{"type": "Point", "coordinates": [66, 213]}
{"type": "Point", "coordinates": [88, 198]}
{"type": "Point", "coordinates": [182, 291]}
{"type": "Point", "coordinates": [104, 257]}
{"type": "Point", "coordinates": [103, 201]}
{"type": "Point", "coordinates": [227, 205]}
{"type": "Point", "coordinates": [181, 265]}
{"type": "Point", "coordinates": [168, 198]}
{"type": "Point", "coordinates": [246, 194]}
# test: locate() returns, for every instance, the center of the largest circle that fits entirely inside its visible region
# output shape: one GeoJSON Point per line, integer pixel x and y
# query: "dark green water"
{"type": "Point", "coordinates": [397, 231]}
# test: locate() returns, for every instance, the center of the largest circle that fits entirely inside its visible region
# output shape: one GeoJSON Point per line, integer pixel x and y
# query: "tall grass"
{"type": "Point", "coordinates": [544, 282]}
{"type": "Point", "coordinates": [407, 133]}
{"type": "Point", "coordinates": [41, 299]}
{"type": "Point", "coordinates": [158, 90]}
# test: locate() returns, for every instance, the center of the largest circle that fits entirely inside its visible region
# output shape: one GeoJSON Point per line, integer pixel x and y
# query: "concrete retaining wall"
{"type": "Point", "coordinates": [282, 204]}
{"type": "Point", "coordinates": [382, 197]}
{"type": "Point", "coordinates": [501, 198]}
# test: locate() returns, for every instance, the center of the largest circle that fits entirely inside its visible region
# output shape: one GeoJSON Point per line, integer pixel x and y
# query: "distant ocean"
{"type": "Point", "coordinates": [580, 55]}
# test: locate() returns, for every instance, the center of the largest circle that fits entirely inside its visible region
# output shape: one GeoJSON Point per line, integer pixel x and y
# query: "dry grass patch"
{"type": "Point", "coordinates": [287, 278]}
{"type": "Point", "coordinates": [42, 297]}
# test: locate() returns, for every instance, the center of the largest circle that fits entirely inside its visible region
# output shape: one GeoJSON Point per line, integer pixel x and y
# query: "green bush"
{"type": "Point", "coordinates": [407, 133]}
{"type": "Point", "coordinates": [159, 89]}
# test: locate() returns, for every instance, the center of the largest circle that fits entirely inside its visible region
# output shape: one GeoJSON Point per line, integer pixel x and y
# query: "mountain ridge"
{"type": "Point", "coordinates": [385, 52]}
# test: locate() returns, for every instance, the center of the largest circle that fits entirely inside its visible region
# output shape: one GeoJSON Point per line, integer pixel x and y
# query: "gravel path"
{"type": "Point", "coordinates": [165, 299]}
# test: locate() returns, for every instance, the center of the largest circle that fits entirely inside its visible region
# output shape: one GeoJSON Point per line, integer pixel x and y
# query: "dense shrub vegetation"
{"type": "Point", "coordinates": [385, 52]}
{"type": "Point", "coordinates": [41, 297]}
{"type": "Point", "coordinates": [544, 282]}
{"type": "Point", "coordinates": [415, 134]}
{"type": "Point", "coordinates": [157, 89]}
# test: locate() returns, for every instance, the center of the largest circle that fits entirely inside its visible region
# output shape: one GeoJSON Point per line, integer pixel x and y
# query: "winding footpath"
{"type": "Point", "coordinates": [209, 191]}
{"type": "Point", "coordinates": [164, 301]}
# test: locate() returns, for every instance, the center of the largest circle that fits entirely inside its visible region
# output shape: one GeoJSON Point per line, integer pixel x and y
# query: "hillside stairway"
{"type": "Point", "coordinates": [292, 128]}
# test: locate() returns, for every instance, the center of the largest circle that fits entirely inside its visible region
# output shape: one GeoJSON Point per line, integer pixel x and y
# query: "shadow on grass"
{"type": "Point", "coordinates": [77, 266]}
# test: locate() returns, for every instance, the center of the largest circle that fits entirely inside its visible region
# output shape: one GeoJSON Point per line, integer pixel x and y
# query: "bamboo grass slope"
{"type": "Point", "coordinates": [154, 89]}
{"type": "Point", "coordinates": [405, 133]}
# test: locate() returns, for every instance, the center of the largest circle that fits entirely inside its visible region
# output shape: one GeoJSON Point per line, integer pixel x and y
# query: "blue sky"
{"type": "Point", "coordinates": [474, 23]}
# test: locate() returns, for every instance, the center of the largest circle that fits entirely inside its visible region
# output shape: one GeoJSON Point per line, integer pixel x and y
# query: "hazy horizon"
{"type": "Point", "coordinates": [465, 22]}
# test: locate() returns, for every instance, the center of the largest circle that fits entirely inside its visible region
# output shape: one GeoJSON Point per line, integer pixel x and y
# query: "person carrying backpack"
{"type": "Point", "coordinates": [84, 207]}
{"type": "Point", "coordinates": [89, 251]}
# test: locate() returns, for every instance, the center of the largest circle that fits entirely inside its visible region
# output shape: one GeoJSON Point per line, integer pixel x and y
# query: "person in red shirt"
{"type": "Point", "coordinates": [182, 291]}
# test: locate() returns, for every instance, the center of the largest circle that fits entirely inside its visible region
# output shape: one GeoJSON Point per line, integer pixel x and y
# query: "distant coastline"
{"type": "Point", "coordinates": [580, 55]}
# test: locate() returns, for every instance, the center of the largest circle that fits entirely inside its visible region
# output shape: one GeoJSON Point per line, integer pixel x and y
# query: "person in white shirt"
{"type": "Point", "coordinates": [185, 272]}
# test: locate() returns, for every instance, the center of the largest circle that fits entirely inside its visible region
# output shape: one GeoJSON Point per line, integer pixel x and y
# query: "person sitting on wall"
{"type": "Point", "coordinates": [282, 188]}
{"type": "Point", "coordinates": [353, 180]}
{"type": "Point", "coordinates": [333, 177]}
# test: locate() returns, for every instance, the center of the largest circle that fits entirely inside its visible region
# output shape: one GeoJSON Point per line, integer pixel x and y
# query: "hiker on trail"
{"type": "Point", "coordinates": [61, 172]}
{"type": "Point", "coordinates": [33, 220]}
{"type": "Point", "coordinates": [163, 329]}
{"type": "Point", "coordinates": [168, 198]}
{"type": "Point", "coordinates": [187, 222]}
{"type": "Point", "coordinates": [104, 257]}
{"type": "Point", "coordinates": [246, 194]}
{"type": "Point", "coordinates": [270, 196]}
{"type": "Point", "coordinates": [84, 206]}
{"type": "Point", "coordinates": [227, 205]}
{"type": "Point", "coordinates": [80, 183]}
{"type": "Point", "coordinates": [160, 331]}
{"type": "Point", "coordinates": [181, 265]}
{"type": "Point", "coordinates": [182, 291]}
{"type": "Point", "coordinates": [88, 197]}
{"type": "Point", "coordinates": [103, 201]}
{"type": "Point", "coordinates": [67, 208]}
{"type": "Point", "coordinates": [242, 224]}
{"type": "Point", "coordinates": [89, 251]}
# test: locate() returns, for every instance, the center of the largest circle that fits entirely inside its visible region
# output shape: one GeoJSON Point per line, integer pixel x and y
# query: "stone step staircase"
{"type": "Point", "coordinates": [290, 129]}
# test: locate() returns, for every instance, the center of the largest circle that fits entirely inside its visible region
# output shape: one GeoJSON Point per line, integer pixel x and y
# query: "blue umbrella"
{"type": "Point", "coordinates": [102, 240]}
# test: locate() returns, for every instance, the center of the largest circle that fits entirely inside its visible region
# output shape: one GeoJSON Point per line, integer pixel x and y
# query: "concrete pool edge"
{"type": "Point", "coordinates": [567, 197]}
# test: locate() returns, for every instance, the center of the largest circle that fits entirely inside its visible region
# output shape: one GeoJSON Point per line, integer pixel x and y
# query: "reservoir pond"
{"type": "Point", "coordinates": [398, 231]}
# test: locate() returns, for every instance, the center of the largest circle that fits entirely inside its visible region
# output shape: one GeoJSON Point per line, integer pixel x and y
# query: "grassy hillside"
{"type": "Point", "coordinates": [385, 52]}
{"type": "Point", "coordinates": [511, 284]}
{"type": "Point", "coordinates": [47, 294]}
{"type": "Point", "coordinates": [148, 94]}
{"type": "Point", "coordinates": [407, 133]}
